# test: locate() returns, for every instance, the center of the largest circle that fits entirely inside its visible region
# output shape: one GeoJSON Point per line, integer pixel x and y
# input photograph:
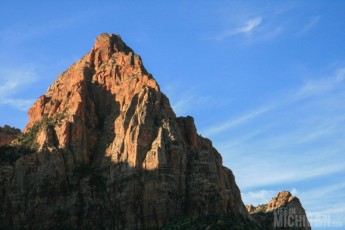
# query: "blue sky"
{"type": "Point", "coordinates": [264, 80]}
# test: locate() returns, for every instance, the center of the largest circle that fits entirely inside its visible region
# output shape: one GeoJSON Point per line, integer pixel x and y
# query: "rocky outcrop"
{"type": "Point", "coordinates": [284, 211]}
{"type": "Point", "coordinates": [109, 152]}
{"type": "Point", "coordinates": [8, 134]}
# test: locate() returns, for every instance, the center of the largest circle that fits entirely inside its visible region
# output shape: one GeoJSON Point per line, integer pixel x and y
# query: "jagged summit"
{"type": "Point", "coordinates": [284, 211]}
{"type": "Point", "coordinates": [110, 63]}
{"type": "Point", "coordinates": [103, 149]}
{"type": "Point", "coordinates": [109, 152]}
{"type": "Point", "coordinates": [109, 44]}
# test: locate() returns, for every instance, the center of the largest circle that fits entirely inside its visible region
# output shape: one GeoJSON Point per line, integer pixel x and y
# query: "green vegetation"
{"type": "Point", "coordinates": [28, 139]}
{"type": "Point", "coordinates": [9, 130]}
{"type": "Point", "coordinates": [26, 143]}
{"type": "Point", "coordinates": [260, 208]}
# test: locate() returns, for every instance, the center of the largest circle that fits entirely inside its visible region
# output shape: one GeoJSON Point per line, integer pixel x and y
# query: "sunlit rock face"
{"type": "Point", "coordinates": [284, 211]}
{"type": "Point", "coordinates": [110, 153]}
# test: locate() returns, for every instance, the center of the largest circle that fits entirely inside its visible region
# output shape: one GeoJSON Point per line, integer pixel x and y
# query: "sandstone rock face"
{"type": "Point", "coordinates": [112, 154]}
{"type": "Point", "coordinates": [284, 211]}
{"type": "Point", "coordinates": [8, 134]}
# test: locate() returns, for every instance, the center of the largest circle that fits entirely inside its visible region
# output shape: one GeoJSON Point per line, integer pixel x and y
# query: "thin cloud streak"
{"type": "Point", "coordinates": [291, 165]}
{"type": "Point", "coordinates": [183, 106]}
{"type": "Point", "coordinates": [329, 208]}
{"type": "Point", "coordinates": [235, 122]}
{"type": "Point", "coordinates": [279, 141]}
{"type": "Point", "coordinates": [258, 197]}
{"type": "Point", "coordinates": [247, 28]}
{"type": "Point", "coordinates": [19, 104]}
{"type": "Point", "coordinates": [313, 88]}
{"type": "Point", "coordinates": [250, 25]}
{"type": "Point", "coordinates": [284, 174]}
{"type": "Point", "coordinates": [15, 79]}
{"type": "Point", "coordinates": [313, 22]}
{"type": "Point", "coordinates": [12, 81]}
{"type": "Point", "coordinates": [266, 26]}
{"type": "Point", "coordinates": [310, 147]}
{"type": "Point", "coordinates": [326, 191]}
{"type": "Point", "coordinates": [310, 89]}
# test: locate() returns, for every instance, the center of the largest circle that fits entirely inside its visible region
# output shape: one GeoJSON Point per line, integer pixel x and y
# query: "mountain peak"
{"type": "Point", "coordinates": [104, 137]}
{"type": "Point", "coordinates": [107, 39]}
{"type": "Point", "coordinates": [111, 73]}
{"type": "Point", "coordinates": [107, 44]}
{"type": "Point", "coordinates": [284, 206]}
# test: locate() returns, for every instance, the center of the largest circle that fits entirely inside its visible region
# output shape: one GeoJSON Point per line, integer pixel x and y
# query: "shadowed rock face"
{"type": "Point", "coordinates": [284, 211]}
{"type": "Point", "coordinates": [8, 134]}
{"type": "Point", "coordinates": [111, 153]}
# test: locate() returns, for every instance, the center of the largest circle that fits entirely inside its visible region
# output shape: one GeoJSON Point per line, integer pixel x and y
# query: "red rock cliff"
{"type": "Point", "coordinates": [8, 134]}
{"type": "Point", "coordinates": [112, 153]}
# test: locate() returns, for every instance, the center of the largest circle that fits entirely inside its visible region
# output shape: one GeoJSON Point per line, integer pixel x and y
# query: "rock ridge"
{"type": "Point", "coordinates": [8, 134]}
{"type": "Point", "coordinates": [284, 211]}
{"type": "Point", "coordinates": [106, 150]}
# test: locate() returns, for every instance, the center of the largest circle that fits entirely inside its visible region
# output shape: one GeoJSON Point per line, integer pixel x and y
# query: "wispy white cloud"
{"type": "Point", "coordinates": [267, 34]}
{"type": "Point", "coordinates": [258, 197]}
{"type": "Point", "coordinates": [289, 171]}
{"type": "Point", "coordinates": [249, 26]}
{"type": "Point", "coordinates": [188, 102]}
{"type": "Point", "coordinates": [296, 137]}
{"type": "Point", "coordinates": [14, 80]}
{"type": "Point", "coordinates": [300, 139]}
{"type": "Point", "coordinates": [327, 192]}
{"type": "Point", "coordinates": [325, 204]}
{"type": "Point", "coordinates": [184, 105]}
{"type": "Point", "coordinates": [317, 87]}
{"type": "Point", "coordinates": [277, 21]}
{"type": "Point", "coordinates": [268, 24]}
{"type": "Point", "coordinates": [19, 104]}
{"type": "Point", "coordinates": [303, 133]}
{"type": "Point", "coordinates": [311, 88]}
{"type": "Point", "coordinates": [235, 122]}
{"type": "Point", "coordinates": [313, 22]}
{"type": "Point", "coordinates": [258, 163]}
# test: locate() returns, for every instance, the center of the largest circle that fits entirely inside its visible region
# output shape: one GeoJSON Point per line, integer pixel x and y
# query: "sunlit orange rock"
{"type": "Point", "coordinates": [284, 211]}
{"type": "Point", "coordinates": [112, 154]}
